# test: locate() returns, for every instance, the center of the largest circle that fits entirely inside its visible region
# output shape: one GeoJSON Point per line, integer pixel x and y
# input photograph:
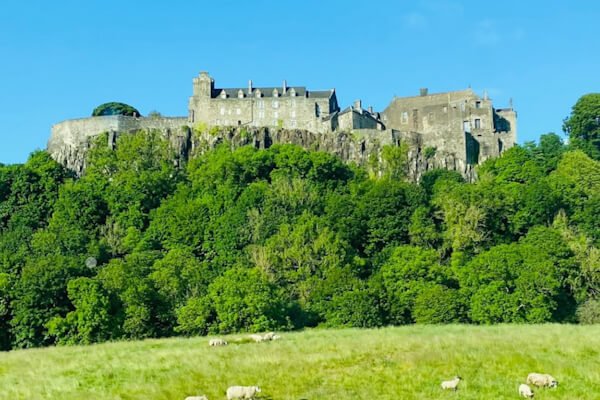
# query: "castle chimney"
{"type": "Point", "coordinates": [370, 109]}
{"type": "Point", "coordinates": [485, 95]}
{"type": "Point", "coordinates": [424, 91]}
{"type": "Point", "coordinates": [357, 104]}
{"type": "Point", "coordinates": [250, 86]}
{"type": "Point", "coordinates": [284, 86]}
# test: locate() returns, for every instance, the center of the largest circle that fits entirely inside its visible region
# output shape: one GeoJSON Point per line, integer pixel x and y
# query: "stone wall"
{"type": "Point", "coordinates": [70, 141]}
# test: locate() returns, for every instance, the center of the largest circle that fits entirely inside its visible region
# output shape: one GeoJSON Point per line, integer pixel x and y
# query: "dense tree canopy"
{"type": "Point", "coordinates": [251, 240]}
{"type": "Point", "coordinates": [115, 108]}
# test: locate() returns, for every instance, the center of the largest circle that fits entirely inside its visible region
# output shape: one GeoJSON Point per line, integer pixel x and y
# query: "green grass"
{"type": "Point", "coordinates": [390, 363]}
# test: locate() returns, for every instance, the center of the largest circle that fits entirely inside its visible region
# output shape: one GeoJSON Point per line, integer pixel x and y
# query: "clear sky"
{"type": "Point", "coordinates": [60, 59]}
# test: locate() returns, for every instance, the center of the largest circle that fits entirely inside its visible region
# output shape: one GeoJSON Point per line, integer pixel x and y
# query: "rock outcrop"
{"type": "Point", "coordinates": [70, 141]}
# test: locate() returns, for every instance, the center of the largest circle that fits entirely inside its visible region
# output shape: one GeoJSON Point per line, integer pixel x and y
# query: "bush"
{"type": "Point", "coordinates": [437, 304]}
{"type": "Point", "coordinates": [589, 312]}
{"type": "Point", "coordinates": [357, 308]}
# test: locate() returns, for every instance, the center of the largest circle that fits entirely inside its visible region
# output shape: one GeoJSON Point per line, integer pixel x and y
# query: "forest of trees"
{"type": "Point", "coordinates": [254, 240]}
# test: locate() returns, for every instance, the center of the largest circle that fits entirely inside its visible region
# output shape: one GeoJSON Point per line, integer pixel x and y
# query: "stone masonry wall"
{"type": "Point", "coordinates": [70, 141]}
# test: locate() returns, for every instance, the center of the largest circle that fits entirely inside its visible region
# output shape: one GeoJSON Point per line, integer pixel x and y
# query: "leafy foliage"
{"type": "Point", "coordinates": [249, 240]}
{"type": "Point", "coordinates": [115, 108]}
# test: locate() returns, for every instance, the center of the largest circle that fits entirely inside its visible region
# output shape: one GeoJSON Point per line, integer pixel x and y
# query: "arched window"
{"type": "Point", "coordinates": [223, 94]}
{"type": "Point", "coordinates": [275, 93]}
{"type": "Point", "coordinates": [257, 93]}
{"type": "Point", "coordinates": [293, 92]}
{"type": "Point", "coordinates": [240, 94]}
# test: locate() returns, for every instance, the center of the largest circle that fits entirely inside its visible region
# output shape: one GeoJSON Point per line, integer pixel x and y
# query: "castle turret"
{"type": "Point", "coordinates": [203, 85]}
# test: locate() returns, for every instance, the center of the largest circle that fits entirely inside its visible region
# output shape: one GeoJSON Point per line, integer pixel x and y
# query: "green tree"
{"type": "Point", "coordinates": [96, 317]}
{"type": "Point", "coordinates": [583, 125]}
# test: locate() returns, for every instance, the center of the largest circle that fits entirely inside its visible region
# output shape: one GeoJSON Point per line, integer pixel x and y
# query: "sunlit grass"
{"type": "Point", "coordinates": [390, 363]}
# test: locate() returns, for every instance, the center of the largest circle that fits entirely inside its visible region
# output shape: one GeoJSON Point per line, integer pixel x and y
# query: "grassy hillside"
{"type": "Point", "coordinates": [390, 363]}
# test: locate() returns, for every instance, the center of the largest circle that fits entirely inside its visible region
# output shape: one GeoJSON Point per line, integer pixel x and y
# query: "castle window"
{"type": "Point", "coordinates": [477, 104]}
{"type": "Point", "coordinates": [293, 123]}
{"type": "Point", "coordinates": [275, 114]}
{"type": "Point", "coordinates": [293, 92]}
{"type": "Point", "coordinates": [240, 94]}
{"type": "Point", "coordinates": [222, 111]}
{"type": "Point", "coordinates": [404, 117]}
{"type": "Point", "coordinates": [462, 106]}
{"type": "Point", "coordinates": [223, 94]}
{"type": "Point", "coordinates": [477, 123]}
{"type": "Point", "coordinates": [445, 109]}
{"type": "Point", "coordinates": [261, 104]}
{"type": "Point", "coordinates": [466, 126]}
{"type": "Point", "coordinates": [257, 93]}
{"type": "Point", "coordinates": [385, 117]}
{"type": "Point", "coordinates": [293, 114]}
{"type": "Point", "coordinates": [317, 110]}
{"type": "Point", "coordinates": [275, 93]}
{"type": "Point", "coordinates": [226, 122]}
{"type": "Point", "coordinates": [238, 111]}
{"type": "Point", "coordinates": [275, 104]}
{"type": "Point", "coordinates": [218, 122]}
{"type": "Point", "coordinates": [274, 122]}
{"type": "Point", "coordinates": [261, 114]}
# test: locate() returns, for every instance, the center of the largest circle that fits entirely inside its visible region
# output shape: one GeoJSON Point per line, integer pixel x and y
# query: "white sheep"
{"type": "Point", "coordinates": [525, 391]}
{"type": "Point", "coordinates": [256, 338]}
{"type": "Point", "coordinates": [276, 337]}
{"type": "Point", "coordinates": [217, 342]}
{"type": "Point", "coordinates": [541, 380]}
{"type": "Point", "coordinates": [452, 385]}
{"type": "Point", "coordinates": [196, 398]}
{"type": "Point", "coordinates": [242, 392]}
{"type": "Point", "coordinates": [269, 336]}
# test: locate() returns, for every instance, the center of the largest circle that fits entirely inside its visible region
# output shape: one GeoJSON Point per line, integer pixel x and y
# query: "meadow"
{"type": "Point", "coordinates": [388, 363]}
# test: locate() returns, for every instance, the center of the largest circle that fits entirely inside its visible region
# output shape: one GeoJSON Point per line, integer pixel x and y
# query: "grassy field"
{"type": "Point", "coordinates": [390, 363]}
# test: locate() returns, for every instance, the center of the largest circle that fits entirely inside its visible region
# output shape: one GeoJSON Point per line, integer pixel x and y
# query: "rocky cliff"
{"type": "Point", "coordinates": [70, 141]}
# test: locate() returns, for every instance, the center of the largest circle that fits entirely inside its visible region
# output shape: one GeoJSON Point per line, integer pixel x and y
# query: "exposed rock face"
{"type": "Point", "coordinates": [70, 141]}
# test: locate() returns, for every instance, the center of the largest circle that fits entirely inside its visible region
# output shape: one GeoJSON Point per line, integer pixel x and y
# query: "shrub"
{"type": "Point", "coordinates": [437, 304]}
{"type": "Point", "coordinates": [357, 308]}
{"type": "Point", "coordinates": [589, 312]}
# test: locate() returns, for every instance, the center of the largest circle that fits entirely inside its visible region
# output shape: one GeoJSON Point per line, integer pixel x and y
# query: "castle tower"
{"type": "Point", "coordinates": [203, 85]}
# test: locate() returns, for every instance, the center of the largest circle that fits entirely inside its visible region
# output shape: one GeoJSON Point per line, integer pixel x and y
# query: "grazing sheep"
{"type": "Point", "coordinates": [276, 337]}
{"type": "Point", "coordinates": [451, 384]}
{"type": "Point", "coordinates": [196, 398]}
{"type": "Point", "coordinates": [541, 380]}
{"type": "Point", "coordinates": [525, 391]}
{"type": "Point", "coordinates": [217, 342]}
{"type": "Point", "coordinates": [242, 392]}
{"type": "Point", "coordinates": [269, 336]}
{"type": "Point", "coordinates": [256, 338]}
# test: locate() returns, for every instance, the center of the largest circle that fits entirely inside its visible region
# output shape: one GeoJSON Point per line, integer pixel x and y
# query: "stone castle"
{"type": "Point", "coordinates": [458, 129]}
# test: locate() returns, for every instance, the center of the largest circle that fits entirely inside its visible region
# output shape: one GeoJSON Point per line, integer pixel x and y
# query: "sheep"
{"type": "Point", "coordinates": [269, 336]}
{"type": "Point", "coordinates": [242, 392]}
{"type": "Point", "coordinates": [217, 342]}
{"type": "Point", "coordinates": [451, 384]}
{"type": "Point", "coordinates": [256, 338]}
{"type": "Point", "coordinates": [196, 398]}
{"type": "Point", "coordinates": [525, 391]}
{"type": "Point", "coordinates": [276, 337]}
{"type": "Point", "coordinates": [541, 380]}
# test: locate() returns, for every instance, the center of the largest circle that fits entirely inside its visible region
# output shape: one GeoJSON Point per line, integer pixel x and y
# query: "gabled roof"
{"type": "Point", "coordinates": [268, 92]}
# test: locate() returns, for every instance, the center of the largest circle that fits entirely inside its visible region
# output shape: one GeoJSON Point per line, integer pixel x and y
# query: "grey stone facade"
{"type": "Point", "coordinates": [463, 128]}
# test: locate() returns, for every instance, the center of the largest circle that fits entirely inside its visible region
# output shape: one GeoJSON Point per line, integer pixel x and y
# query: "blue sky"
{"type": "Point", "coordinates": [59, 60]}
